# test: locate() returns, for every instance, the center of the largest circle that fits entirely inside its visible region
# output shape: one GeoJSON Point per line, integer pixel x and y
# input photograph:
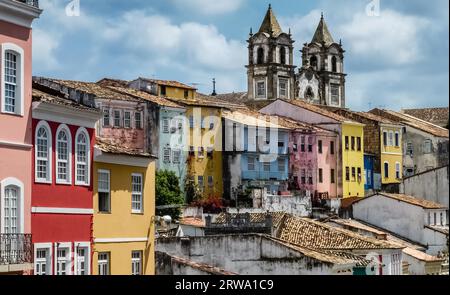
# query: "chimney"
{"type": "Point", "coordinates": [214, 88]}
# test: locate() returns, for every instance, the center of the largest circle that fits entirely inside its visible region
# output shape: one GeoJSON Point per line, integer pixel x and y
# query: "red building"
{"type": "Point", "coordinates": [62, 206]}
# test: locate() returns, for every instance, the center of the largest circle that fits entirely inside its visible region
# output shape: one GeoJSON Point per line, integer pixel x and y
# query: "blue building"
{"type": "Point", "coordinates": [369, 161]}
{"type": "Point", "coordinates": [255, 155]}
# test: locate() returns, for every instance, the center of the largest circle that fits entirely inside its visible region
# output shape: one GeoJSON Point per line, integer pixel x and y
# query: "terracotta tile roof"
{"type": "Point", "coordinates": [233, 97]}
{"type": "Point", "coordinates": [193, 221]}
{"type": "Point", "coordinates": [277, 218]}
{"type": "Point", "coordinates": [95, 89]}
{"type": "Point", "coordinates": [317, 235]}
{"type": "Point", "coordinates": [364, 115]}
{"type": "Point", "coordinates": [41, 96]}
{"type": "Point", "coordinates": [438, 116]}
{"type": "Point", "coordinates": [169, 83]}
{"type": "Point", "coordinates": [410, 200]}
{"type": "Point", "coordinates": [202, 266]}
{"type": "Point", "coordinates": [108, 146]}
{"type": "Point", "coordinates": [113, 82]}
{"type": "Point", "coordinates": [145, 96]}
{"type": "Point", "coordinates": [319, 110]}
{"type": "Point", "coordinates": [441, 229]}
{"type": "Point", "coordinates": [412, 122]}
{"type": "Point", "coordinates": [422, 255]}
{"type": "Point", "coordinates": [360, 260]}
{"type": "Point", "coordinates": [206, 101]}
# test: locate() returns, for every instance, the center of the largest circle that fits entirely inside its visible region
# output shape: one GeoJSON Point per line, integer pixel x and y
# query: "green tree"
{"type": "Point", "coordinates": [168, 192]}
{"type": "Point", "coordinates": [192, 191]}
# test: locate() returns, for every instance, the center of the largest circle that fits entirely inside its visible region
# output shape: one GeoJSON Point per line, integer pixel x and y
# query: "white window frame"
{"type": "Point", "coordinates": [7, 182]}
{"type": "Point", "coordinates": [251, 163]}
{"type": "Point", "coordinates": [48, 179]}
{"type": "Point", "coordinates": [104, 191]}
{"type": "Point", "coordinates": [134, 261]}
{"type": "Point", "coordinates": [167, 155]}
{"type": "Point", "coordinates": [332, 86]}
{"type": "Point", "coordinates": [165, 125]}
{"type": "Point", "coordinates": [104, 109]}
{"type": "Point", "coordinates": [391, 138]}
{"type": "Point", "coordinates": [88, 157]}
{"type": "Point", "coordinates": [398, 174]}
{"type": "Point", "coordinates": [125, 120]}
{"type": "Point", "coordinates": [176, 156]}
{"type": "Point", "coordinates": [48, 247]}
{"type": "Point", "coordinates": [108, 262]}
{"type": "Point", "coordinates": [64, 128]}
{"type": "Point", "coordinates": [20, 108]}
{"type": "Point", "coordinates": [114, 118]}
{"type": "Point", "coordinates": [397, 134]}
{"type": "Point", "coordinates": [87, 262]}
{"type": "Point", "coordinates": [68, 247]}
{"type": "Point", "coordinates": [287, 89]}
{"type": "Point", "coordinates": [210, 180]}
{"type": "Point", "coordinates": [256, 81]}
{"type": "Point", "coordinates": [136, 126]}
{"type": "Point", "coordinates": [201, 184]}
{"type": "Point", "coordinates": [141, 194]}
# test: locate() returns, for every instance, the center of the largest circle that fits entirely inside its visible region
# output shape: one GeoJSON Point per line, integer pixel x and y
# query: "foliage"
{"type": "Point", "coordinates": [211, 205]}
{"type": "Point", "coordinates": [193, 192]}
{"type": "Point", "coordinates": [168, 192]}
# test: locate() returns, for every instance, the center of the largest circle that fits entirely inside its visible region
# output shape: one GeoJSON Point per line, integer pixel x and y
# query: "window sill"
{"type": "Point", "coordinates": [104, 213]}
{"type": "Point", "coordinates": [12, 114]}
{"type": "Point", "coordinates": [43, 181]}
{"type": "Point", "coordinates": [82, 184]}
{"type": "Point", "coordinates": [137, 213]}
{"type": "Point", "coordinates": [59, 182]}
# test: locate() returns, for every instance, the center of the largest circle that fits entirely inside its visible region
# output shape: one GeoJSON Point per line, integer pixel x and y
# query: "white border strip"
{"type": "Point", "coordinates": [62, 210]}
{"type": "Point", "coordinates": [15, 144]}
{"type": "Point", "coordinates": [120, 240]}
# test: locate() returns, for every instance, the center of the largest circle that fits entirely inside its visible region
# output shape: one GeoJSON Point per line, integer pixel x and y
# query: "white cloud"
{"type": "Point", "coordinates": [44, 50]}
{"type": "Point", "coordinates": [209, 6]}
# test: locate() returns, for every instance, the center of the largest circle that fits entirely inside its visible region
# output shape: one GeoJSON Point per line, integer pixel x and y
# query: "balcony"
{"type": "Point", "coordinates": [34, 3]}
{"type": "Point", "coordinates": [16, 252]}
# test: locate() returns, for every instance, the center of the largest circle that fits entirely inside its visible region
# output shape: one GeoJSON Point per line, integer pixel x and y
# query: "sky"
{"type": "Point", "coordinates": [397, 51]}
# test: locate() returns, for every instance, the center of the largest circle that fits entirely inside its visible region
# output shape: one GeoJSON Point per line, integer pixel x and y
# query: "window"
{"type": "Point", "coordinates": [386, 170]}
{"type": "Point", "coordinates": [260, 89]}
{"type": "Point", "coordinates": [12, 79]}
{"type": "Point", "coordinates": [201, 183]}
{"type": "Point", "coordinates": [117, 118]}
{"type": "Point", "coordinates": [397, 139]}
{"type": "Point", "coordinates": [310, 144]}
{"type": "Point", "coordinates": [136, 193]}
{"type": "Point", "coordinates": [303, 176]}
{"type": "Point", "coordinates": [334, 90]}
{"type": "Point", "coordinates": [295, 147]}
{"type": "Point", "coordinates": [359, 175]}
{"type": "Point", "coordinates": [210, 181]}
{"type": "Point", "coordinates": [106, 117]}
{"type": "Point", "coordinates": [191, 121]}
{"type": "Point", "coordinates": [10, 212]}
{"type": "Point", "coordinates": [435, 219]}
{"type": "Point", "coordinates": [186, 94]}
{"type": "Point", "coordinates": [347, 173]}
{"type": "Point", "coordinates": [82, 261]}
{"type": "Point", "coordinates": [442, 219]}
{"type": "Point", "coordinates": [163, 90]}
{"type": "Point", "coordinates": [385, 138]}
{"type": "Point", "coordinates": [201, 152]}
{"type": "Point", "coordinates": [391, 138]}
{"type": "Point", "coordinates": [283, 55]}
{"type": "Point", "coordinates": [127, 119]}
{"type": "Point", "coordinates": [82, 159]}
{"type": "Point", "coordinates": [136, 263]}
{"type": "Point", "coordinates": [320, 175]}
{"type": "Point", "coordinates": [103, 264]}
{"type": "Point", "coordinates": [283, 84]}
{"type": "Point", "coordinates": [353, 143]}
{"type": "Point", "coordinates": [138, 120]}
{"type": "Point", "coordinates": [332, 147]}
{"type": "Point", "coordinates": [176, 156]}
{"type": "Point", "coordinates": [260, 56]}
{"type": "Point", "coordinates": [309, 93]}
{"type": "Point", "coordinates": [104, 199]}
{"type": "Point", "coordinates": [320, 146]}
{"type": "Point", "coordinates": [281, 165]}
{"type": "Point", "coordinates": [334, 64]}
{"type": "Point", "coordinates": [347, 143]}
{"type": "Point", "coordinates": [409, 148]}
{"type": "Point", "coordinates": [310, 178]}
{"type": "Point", "coordinates": [251, 163]}
{"type": "Point", "coordinates": [166, 155]}
{"type": "Point", "coordinates": [62, 263]}
{"type": "Point", "coordinates": [313, 62]}
{"type": "Point", "coordinates": [427, 146]}
{"type": "Point", "coordinates": [63, 155]}
{"type": "Point", "coordinates": [42, 262]}
{"type": "Point", "coordinates": [166, 125]}
{"type": "Point", "coordinates": [43, 152]}
{"type": "Point", "coordinates": [397, 170]}
{"type": "Point", "coordinates": [332, 176]}
{"type": "Point", "coordinates": [266, 166]}
{"type": "Point", "coordinates": [358, 144]}
{"type": "Point", "coordinates": [353, 174]}
{"type": "Point", "coordinates": [302, 144]}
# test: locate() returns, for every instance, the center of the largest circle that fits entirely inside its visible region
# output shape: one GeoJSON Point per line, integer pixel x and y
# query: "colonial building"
{"type": "Point", "coordinates": [16, 144]}
{"type": "Point", "coordinates": [321, 79]}
{"type": "Point", "coordinates": [164, 88]}
{"type": "Point", "coordinates": [61, 214]}
{"type": "Point", "coordinates": [124, 210]}
{"type": "Point", "coordinates": [270, 69]}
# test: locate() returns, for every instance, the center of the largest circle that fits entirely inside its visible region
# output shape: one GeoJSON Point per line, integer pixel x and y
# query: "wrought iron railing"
{"type": "Point", "coordinates": [34, 3]}
{"type": "Point", "coordinates": [15, 249]}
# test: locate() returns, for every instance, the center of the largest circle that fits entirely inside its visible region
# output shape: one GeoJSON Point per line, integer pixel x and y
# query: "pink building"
{"type": "Point", "coordinates": [16, 18]}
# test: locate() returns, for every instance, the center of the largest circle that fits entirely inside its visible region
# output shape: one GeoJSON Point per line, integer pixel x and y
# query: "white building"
{"type": "Point", "coordinates": [421, 221]}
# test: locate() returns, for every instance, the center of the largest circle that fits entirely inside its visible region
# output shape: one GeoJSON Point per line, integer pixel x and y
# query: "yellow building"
{"type": "Point", "coordinates": [124, 209]}
{"type": "Point", "coordinates": [164, 88]}
{"type": "Point", "coordinates": [352, 159]}
{"type": "Point", "coordinates": [391, 154]}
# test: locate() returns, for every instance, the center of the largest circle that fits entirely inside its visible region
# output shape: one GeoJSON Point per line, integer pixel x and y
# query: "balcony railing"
{"type": "Point", "coordinates": [34, 3]}
{"type": "Point", "coordinates": [15, 249]}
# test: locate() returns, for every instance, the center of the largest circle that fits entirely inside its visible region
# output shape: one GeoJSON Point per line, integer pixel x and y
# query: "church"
{"type": "Point", "coordinates": [272, 73]}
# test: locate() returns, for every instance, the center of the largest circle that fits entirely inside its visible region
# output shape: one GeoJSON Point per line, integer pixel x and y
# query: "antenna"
{"type": "Point", "coordinates": [214, 87]}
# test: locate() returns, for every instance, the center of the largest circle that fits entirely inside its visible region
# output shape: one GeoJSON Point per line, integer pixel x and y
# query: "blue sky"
{"type": "Point", "coordinates": [395, 59]}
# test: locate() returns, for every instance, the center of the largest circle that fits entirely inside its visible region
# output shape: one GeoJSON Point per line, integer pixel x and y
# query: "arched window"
{"type": "Point", "coordinates": [309, 93]}
{"type": "Point", "coordinates": [12, 79]}
{"type": "Point", "coordinates": [260, 56]}
{"type": "Point", "coordinates": [43, 143]}
{"type": "Point", "coordinates": [386, 170]}
{"type": "Point", "coordinates": [11, 200]}
{"type": "Point", "coordinates": [82, 159]}
{"type": "Point", "coordinates": [334, 64]}
{"type": "Point", "coordinates": [283, 55]}
{"type": "Point", "coordinates": [313, 62]}
{"type": "Point", "coordinates": [63, 155]}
